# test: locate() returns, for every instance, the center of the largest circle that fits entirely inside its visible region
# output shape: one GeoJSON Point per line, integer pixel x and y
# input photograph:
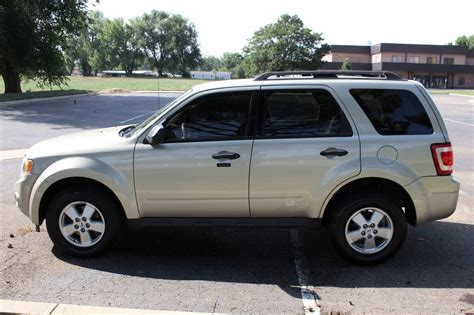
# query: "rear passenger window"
{"type": "Point", "coordinates": [313, 113]}
{"type": "Point", "coordinates": [393, 112]}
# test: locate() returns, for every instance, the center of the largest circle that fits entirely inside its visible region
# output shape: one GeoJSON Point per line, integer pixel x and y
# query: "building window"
{"type": "Point", "coordinates": [413, 59]}
{"type": "Point", "coordinates": [431, 60]}
{"type": "Point", "coordinates": [448, 61]}
{"type": "Point", "coordinates": [461, 81]}
{"type": "Point", "coordinates": [397, 59]}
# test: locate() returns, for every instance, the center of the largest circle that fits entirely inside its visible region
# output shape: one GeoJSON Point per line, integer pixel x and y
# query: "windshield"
{"type": "Point", "coordinates": [162, 110]}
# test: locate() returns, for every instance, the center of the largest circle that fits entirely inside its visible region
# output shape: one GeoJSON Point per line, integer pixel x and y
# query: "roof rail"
{"type": "Point", "coordinates": [329, 74]}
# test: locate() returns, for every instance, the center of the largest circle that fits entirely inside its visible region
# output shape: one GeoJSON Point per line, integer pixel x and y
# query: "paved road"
{"type": "Point", "coordinates": [229, 270]}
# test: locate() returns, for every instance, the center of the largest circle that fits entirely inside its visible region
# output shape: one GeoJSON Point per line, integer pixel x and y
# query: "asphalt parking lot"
{"type": "Point", "coordinates": [229, 270]}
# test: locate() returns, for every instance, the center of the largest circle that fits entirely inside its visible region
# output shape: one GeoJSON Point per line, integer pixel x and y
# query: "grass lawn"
{"type": "Point", "coordinates": [463, 92]}
{"type": "Point", "coordinates": [94, 84]}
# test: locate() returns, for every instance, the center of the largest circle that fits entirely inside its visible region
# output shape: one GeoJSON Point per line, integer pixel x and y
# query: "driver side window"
{"type": "Point", "coordinates": [220, 116]}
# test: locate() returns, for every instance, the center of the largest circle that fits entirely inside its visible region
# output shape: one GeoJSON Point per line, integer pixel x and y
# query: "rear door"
{"type": "Point", "coordinates": [304, 146]}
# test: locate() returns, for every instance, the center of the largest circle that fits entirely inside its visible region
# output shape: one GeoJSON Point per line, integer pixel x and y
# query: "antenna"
{"type": "Point", "coordinates": [158, 90]}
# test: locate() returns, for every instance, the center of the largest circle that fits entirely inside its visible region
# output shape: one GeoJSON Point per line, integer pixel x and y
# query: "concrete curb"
{"type": "Point", "coordinates": [21, 307]}
{"type": "Point", "coordinates": [32, 100]}
{"type": "Point", "coordinates": [161, 92]}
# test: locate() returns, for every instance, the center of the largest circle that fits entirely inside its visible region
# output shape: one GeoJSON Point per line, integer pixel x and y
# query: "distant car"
{"type": "Point", "coordinates": [362, 153]}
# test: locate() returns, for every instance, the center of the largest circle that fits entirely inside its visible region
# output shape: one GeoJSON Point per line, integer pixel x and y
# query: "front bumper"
{"type": "Point", "coordinates": [435, 197]}
{"type": "Point", "coordinates": [23, 189]}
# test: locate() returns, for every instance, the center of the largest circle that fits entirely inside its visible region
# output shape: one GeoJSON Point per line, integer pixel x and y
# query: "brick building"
{"type": "Point", "coordinates": [435, 66]}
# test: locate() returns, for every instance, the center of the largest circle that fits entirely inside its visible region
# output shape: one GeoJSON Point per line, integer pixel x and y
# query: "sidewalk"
{"type": "Point", "coordinates": [10, 306]}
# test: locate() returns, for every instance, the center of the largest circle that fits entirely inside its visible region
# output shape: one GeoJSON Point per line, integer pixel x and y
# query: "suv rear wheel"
{"type": "Point", "coordinates": [368, 229]}
{"type": "Point", "coordinates": [83, 222]}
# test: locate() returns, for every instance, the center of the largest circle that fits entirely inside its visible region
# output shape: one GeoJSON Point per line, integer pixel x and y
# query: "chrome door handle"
{"type": "Point", "coordinates": [226, 155]}
{"type": "Point", "coordinates": [334, 152]}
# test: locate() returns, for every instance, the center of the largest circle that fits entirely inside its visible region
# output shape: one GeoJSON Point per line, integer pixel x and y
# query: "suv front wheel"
{"type": "Point", "coordinates": [368, 229]}
{"type": "Point", "coordinates": [83, 222]}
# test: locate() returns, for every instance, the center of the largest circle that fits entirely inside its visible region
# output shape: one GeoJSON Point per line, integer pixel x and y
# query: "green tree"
{"type": "Point", "coordinates": [210, 63]}
{"type": "Point", "coordinates": [346, 65]}
{"type": "Point", "coordinates": [96, 49]}
{"type": "Point", "coordinates": [33, 36]}
{"type": "Point", "coordinates": [170, 41]}
{"type": "Point", "coordinates": [155, 30]}
{"type": "Point", "coordinates": [465, 41]}
{"type": "Point", "coordinates": [186, 53]}
{"type": "Point", "coordinates": [123, 44]}
{"type": "Point", "coordinates": [233, 62]}
{"type": "Point", "coordinates": [284, 45]}
{"type": "Point", "coordinates": [86, 48]}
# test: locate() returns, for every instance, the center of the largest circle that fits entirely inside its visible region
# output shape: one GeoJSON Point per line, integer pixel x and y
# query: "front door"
{"type": "Point", "coordinates": [202, 169]}
{"type": "Point", "coordinates": [304, 146]}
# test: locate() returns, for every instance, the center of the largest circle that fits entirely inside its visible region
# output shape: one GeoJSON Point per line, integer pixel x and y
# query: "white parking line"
{"type": "Point", "coordinates": [308, 294]}
{"type": "Point", "coordinates": [12, 154]}
{"type": "Point", "coordinates": [459, 122]}
{"type": "Point", "coordinates": [133, 118]}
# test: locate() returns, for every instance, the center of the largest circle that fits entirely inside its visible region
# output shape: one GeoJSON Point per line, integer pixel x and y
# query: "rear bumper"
{"type": "Point", "coordinates": [434, 197]}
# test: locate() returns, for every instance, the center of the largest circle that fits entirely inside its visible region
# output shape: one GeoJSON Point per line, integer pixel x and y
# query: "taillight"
{"type": "Point", "coordinates": [442, 158]}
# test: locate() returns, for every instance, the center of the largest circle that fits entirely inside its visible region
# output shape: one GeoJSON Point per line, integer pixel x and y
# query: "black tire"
{"type": "Point", "coordinates": [103, 202]}
{"type": "Point", "coordinates": [349, 207]}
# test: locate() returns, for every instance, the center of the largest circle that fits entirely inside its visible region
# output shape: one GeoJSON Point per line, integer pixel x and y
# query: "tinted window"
{"type": "Point", "coordinates": [306, 113]}
{"type": "Point", "coordinates": [213, 117]}
{"type": "Point", "coordinates": [394, 112]}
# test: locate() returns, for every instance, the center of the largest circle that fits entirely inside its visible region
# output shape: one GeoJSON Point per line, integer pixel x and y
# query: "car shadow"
{"type": "Point", "coordinates": [217, 254]}
{"type": "Point", "coordinates": [437, 255]}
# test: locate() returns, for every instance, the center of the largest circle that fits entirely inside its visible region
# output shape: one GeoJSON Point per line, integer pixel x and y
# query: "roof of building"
{"type": "Point", "coordinates": [350, 49]}
{"type": "Point", "coordinates": [410, 48]}
{"type": "Point", "coordinates": [220, 72]}
{"type": "Point", "coordinates": [418, 48]}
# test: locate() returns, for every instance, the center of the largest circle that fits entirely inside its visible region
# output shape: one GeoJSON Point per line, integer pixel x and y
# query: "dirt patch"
{"type": "Point", "coordinates": [468, 298]}
{"type": "Point", "coordinates": [25, 230]}
{"type": "Point", "coordinates": [115, 91]}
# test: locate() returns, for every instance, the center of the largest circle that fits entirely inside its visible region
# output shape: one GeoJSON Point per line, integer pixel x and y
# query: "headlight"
{"type": "Point", "coordinates": [26, 166]}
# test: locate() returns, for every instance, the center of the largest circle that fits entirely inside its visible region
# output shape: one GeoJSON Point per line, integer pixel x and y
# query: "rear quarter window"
{"type": "Point", "coordinates": [393, 112]}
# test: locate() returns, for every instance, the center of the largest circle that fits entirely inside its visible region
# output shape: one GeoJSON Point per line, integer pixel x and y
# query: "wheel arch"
{"type": "Point", "coordinates": [82, 171]}
{"type": "Point", "coordinates": [393, 190]}
{"type": "Point", "coordinates": [75, 182]}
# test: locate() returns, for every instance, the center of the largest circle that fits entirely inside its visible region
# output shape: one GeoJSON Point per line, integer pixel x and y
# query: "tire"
{"type": "Point", "coordinates": [368, 229]}
{"type": "Point", "coordinates": [84, 222]}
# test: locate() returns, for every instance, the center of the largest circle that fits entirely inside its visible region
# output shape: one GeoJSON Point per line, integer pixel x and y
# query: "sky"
{"type": "Point", "coordinates": [226, 26]}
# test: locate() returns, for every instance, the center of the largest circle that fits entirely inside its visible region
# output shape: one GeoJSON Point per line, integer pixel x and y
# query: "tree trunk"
{"type": "Point", "coordinates": [71, 69]}
{"type": "Point", "coordinates": [86, 68]}
{"type": "Point", "coordinates": [11, 80]}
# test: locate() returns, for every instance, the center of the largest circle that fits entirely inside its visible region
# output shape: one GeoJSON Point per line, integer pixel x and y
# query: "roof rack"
{"type": "Point", "coordinates": [329, 74]}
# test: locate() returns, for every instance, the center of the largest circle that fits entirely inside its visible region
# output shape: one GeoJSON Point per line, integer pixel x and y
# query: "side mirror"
{"type": "Point", "coordinates": [156, 135]}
